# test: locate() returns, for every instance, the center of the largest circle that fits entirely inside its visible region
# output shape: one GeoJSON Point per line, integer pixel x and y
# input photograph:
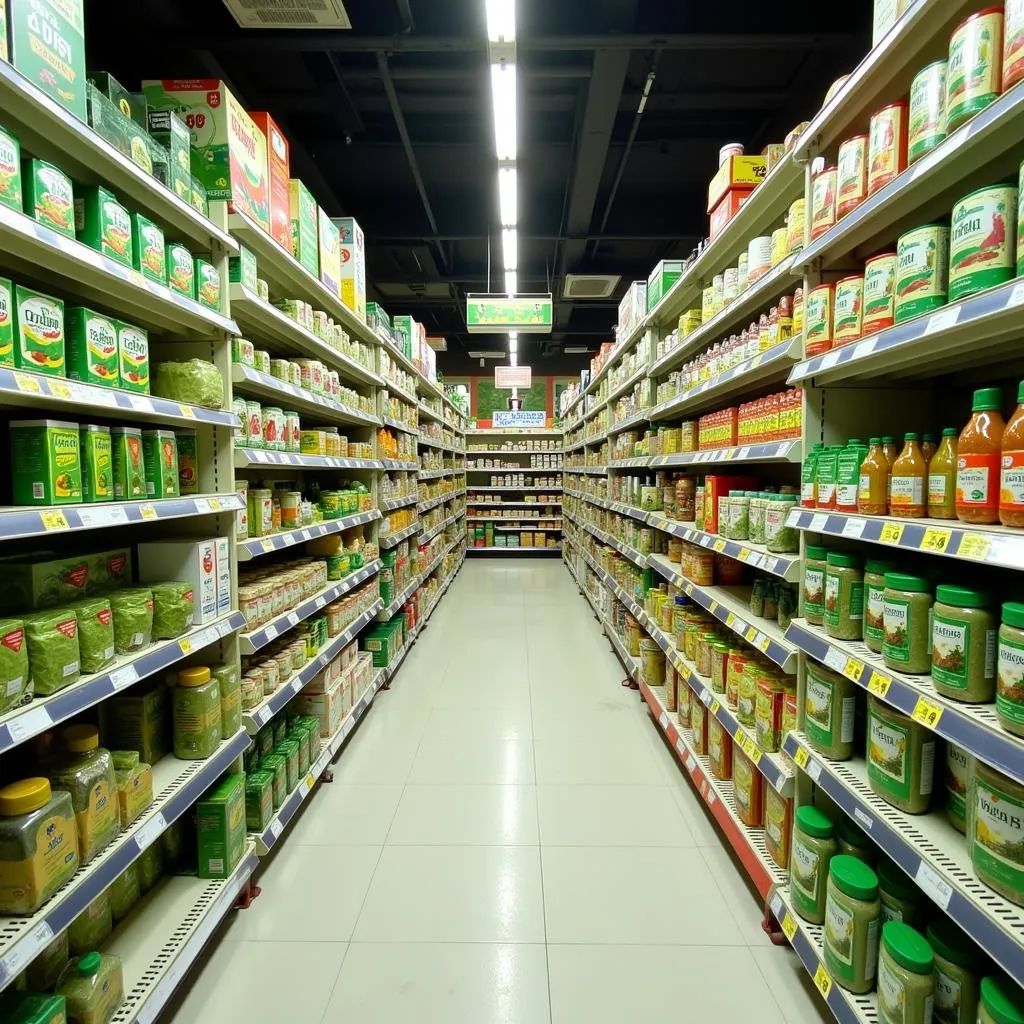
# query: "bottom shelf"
{"type": "Point", "coordinates": [531, 550]}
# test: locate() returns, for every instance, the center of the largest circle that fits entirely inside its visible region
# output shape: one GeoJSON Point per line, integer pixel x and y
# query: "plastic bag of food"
{"type": "Point", "coordinates": [125, 892]}
{"type": "Point", "coordinates": [194, 381]}
{"type": "Point", "coordinates": [173, 609]}
{"type": "Point", "coordinates": [133, 618]}
{"type": "Point", "coordinates": [95, 633]}
{"type": "Point", "coordinates": [13, 663]}
{"type": "Point", "coordinates": [53, 657]}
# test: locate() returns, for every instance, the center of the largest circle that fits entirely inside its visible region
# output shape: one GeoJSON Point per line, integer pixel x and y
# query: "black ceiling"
{"type": "Point", "coordinates": [390, 123]}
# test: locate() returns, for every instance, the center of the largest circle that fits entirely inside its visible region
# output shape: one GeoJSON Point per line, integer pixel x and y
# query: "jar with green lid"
{"type": "Point", "coordinates": [901, 899]}
{"type": "Point", "coordinates": [844, 595]}
{"type": "Point", "coordinates": [1002, 1001]}
{"type": "Point", "coordinates": [874, 604]}
{"type": "Point", "coordinates": [814, 584]}
{"type": "Point", "coordinates": [964, 644]}
{"type": "Point", "coordinates": [93, 986]}
{"type": "Point", "coordinates": [738, 525]}
{"type": "Point", "coordinates": [196, 711]}
{"type": "Point", "coordinates": [38, 844]}
{"type": "Point", "coordinates": [906, 976]}
{"type": "Point", "coordinates": [86, 771]}
{"type": "Point", "coordinates": [995, 831]}
{"type": "Point", "coordinates": [1010, 670]}
{"type": "Point", "coordinates": [829, 706]}
{"type": "Point", "coordinates": [852, 913]}
{"type": "Point", "coordinates": [756, 507]}
{"type": "Point", "coordinates": [901, 758]}
{"type": "Point", "coordinates": [779, 538]}
{"type": "Point", "coordinates": [230, 683]}
{"type": "Point", "coordinates": [906, 618]}
{"type": "Point", "coordinates": [30, 1008]}
{"type": "Point", "coordinates": [958, 967]}
{"type": "Point", "coordinates": [853, 842]}
{"type": "Point", "coordinates": [960, 768]}
{"type": "Point", "coordinates": [814, 846]}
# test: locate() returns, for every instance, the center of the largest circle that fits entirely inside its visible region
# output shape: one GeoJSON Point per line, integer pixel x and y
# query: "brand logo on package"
{"type": "Point", "coordinates": [519, 419]}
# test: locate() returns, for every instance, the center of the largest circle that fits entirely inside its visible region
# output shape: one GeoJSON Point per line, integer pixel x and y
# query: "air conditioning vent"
{"type": "Point", "coordinates": [590, 286]}
{"type": "Point", "coordinates": [289, 13]}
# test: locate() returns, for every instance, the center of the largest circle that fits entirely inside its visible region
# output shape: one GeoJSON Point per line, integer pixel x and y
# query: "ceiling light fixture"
{"type": "Point", "coordinates": [510, 248]}
{"type": "Point", "coordinates": [511, 282]}
{"type": "Point", "coordinates": [501, 21]}
{"type": "Point", "coordinates": [508, 198]}
{"type": "Point", "coordinates": [575, 350]}
{"type": "Point", "coordinates": [503, 96]}
{"type": "Point", "coordinates": [513, 359]}
{"type": "Point", "coordinates": [513, 342]}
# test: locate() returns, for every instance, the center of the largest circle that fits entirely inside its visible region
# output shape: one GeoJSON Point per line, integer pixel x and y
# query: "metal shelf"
{"type": "Point", "coordinates": [406, 428]}
{"type": "Point", "coordinates": [513, 490]}
{"type": "Point", "coordinates": [430, 503]}
{"type": "Point", "coordinates": [621, 546]}
{"type": "Point", "coordinates": [250, 381]}
{"type": "Point", "coordinates": [643, 416]}
{"type": "Point", "coordinates": [586, 470]}
{"type": "Point", "coordinates": [501, 451]}
{"type": "Point", "coordinates": [433, 531]}
{"type": "Point", "coordinates": [392, 539]}
{"type": "Point", "coordinates": [515, 504]}
{"type": "Point", "coordinates": [400, 392]}
{"type": "Point", "coordinates": [403, 465]}
{"type": "Point", "coordinates": [395, 605]}
{"type": "Point", "coordinates": [548, 470]}
{"type": "Point", "coordinates": [390, 504]}
{"type": "Point", "coordinates": [246, 457]}
{"type": "Point", "coordinates": [257, 546]}
{"type": "Point", "coordinates": [770, 451]}
{"type": "Point", "coordinates": [436, 474]}
{"type": "Point", "coordinates": [533, 550]}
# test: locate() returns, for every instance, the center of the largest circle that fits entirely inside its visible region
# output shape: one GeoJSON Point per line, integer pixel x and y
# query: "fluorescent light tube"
{"type": "Point", "coordinates": [575, 350]}
{"type": "Point", "coordinates": [503, 95]}
{"type": "Point", "coordinates": [510, 248]}
{"type": "Point", "coordinates": [513, 343]}
{"type": "Point", "coordinates": [508, 196]}
{"type": "Point", "coordinates": [501, 20]}
{"type": "Point", "coordinates": [513, 359]}
{"type": "Point", "coordinates": [511, 282]}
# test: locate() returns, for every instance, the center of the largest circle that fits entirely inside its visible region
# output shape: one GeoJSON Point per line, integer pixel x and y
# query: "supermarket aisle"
{"type": "Point", "coordinates": [506, 840]}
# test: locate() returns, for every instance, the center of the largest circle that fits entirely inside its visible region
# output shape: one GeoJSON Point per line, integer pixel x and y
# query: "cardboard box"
{"type": "Point", "coordinates": [6, 320]}
{"type": "Point", "coordinates": [149, 248]}
{"type": "Point", "coordinates": [133, 356]}
{"type": "Point", "coordinates": [328, 708]}
{"type": "Point", "coordinates": [32, 585]}
{"type": "Point", "coordinates": [10, 170]}
{"type": "Point", "coordinates": [220, 827]}
{"type": "Point", "coordinates": [303, 212]}
{"type": "Point", "coordinates": [39, 342]}
{"type": "Point", "coordinates": [192, 562]}
{"type": "Point", "coordinates": [663, 276]}
{"type": "Point", "coordinates": [181, 270]}
{"type": "Point", "coordinates": [172, 133]}
{"type": "Point", "coordinates": [233, 151]}
{"type": "Point", "coordinates": [242, 269]}
{"type": "Point", "coordinates": [160, 458]}
{"type": "Point", "coordinates": [46, 466]}
{"type": "Point", "coordinates": [103, 224]}
{"type": "Point", "coordinates": [48, 196]}
{"type": "Point", "coordinates": [138, 720]}
{"type": "Point", "coordinates": [47, 43]}
{"type": "Point", "coordinates": [727, 208]}
{"type": "Point", "coordinates": [278, 169]}
{"type": "Point", "coordinates": [329, 252]}
{"type": "Point", "coordinates": [632, 308]}
{"type": "Point", "coordinates": [403, 327]}
{"type": "Point", "coordinates": [91, 348]}
{"type": "Point", "coordinates": [223, 575]}
{"type": "Point", "coordinates": [736, 172]}
{"type": "Point", "coordinates": [353, 265]}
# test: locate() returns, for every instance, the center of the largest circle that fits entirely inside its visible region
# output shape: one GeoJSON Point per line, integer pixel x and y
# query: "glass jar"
{"type": "Point", "coordinates": [771, 692]}
{"type": "Point", "coordinates": [758, 503]}
{"type": "Point", "coordinates": [844, 595]}
{"type": "Point", "coordinates": [853, 842]}
{"type": "Point", "coordinates": [719, 665]}
{"type": "Point", "coordinates": [995, 832]}
{"type": "Point", "coordinates": [1002, 1001]}
{"type": "Point", "coordinates": [814, 584]}
{"type": "Point", "coordinates": [852, 912]}
{"type": "Point", "coordinates": [906, 975]}
{"type": "Point", "coordinates": [1010, 673]}
{"type": "Point", "coordinates": [788, 604]}
{"type": "Point", "coordinates": [829, 705]}
{"type": "Point", "coordinates": [960, 769]}
{"type": "Point", "coordinates": [778, 826]}
{"type": "Point", "coordinates": [746, 698]}
{"type": "Point", "coordinates": [738, 526]}
{"type": "Point", "coordinates": [778, 537]}
{"type": "Point", "coordinates": [197, 715]}
{"type": "Point", "coordinates": [958, 967]}
{"type": "Point", "coordinates": [900, 897]}
{"type": "Point", "coordinates": [901, 758]}
{"type": "Point", "coordinates": [813, 848]}
{"type": "Point", "coordinates": [719, 750]}
{"type": "Point", "coordinates": [963, 644]}
{"type": "Point", "coordinates": [737, 666]}
{"type": "Point", "coordinates": [874, 604]}
{"type": "Point", "coordinates": [907, 603]}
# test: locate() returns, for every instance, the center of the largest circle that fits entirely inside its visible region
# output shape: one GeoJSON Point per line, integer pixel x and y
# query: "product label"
{"type": "Point", "coordinates": [887, 754]}
{"type": "Point", "coordinates": [839, 927]}
{"type": "Point", "coordinates": [864, 488]}
{"type": "Point", "coordinates": [896, 630]}
{"type": "Point", "coordinates": [975, 480]}
{"type": "Point", "coordinates": [874, 611]}
{"type": "Point", "coordinates": [133, 347]}
{"type": "Point", "coordinates": [958, 777]}
{"type": "Point", "coordinates": [40, 334]}
{"type": "Point", "coordinates": [1010, 681]}
{"type": "Point", "coordinates": [906, 491]}
{"type": "Point", "coordinates": [823, 202]}
{"type": "Point", "coordinates": [883, 147]}
{"type": "Point", "coordinates": [99, 820]}
{"type": "Point", "coordinates": [804, 871]}
{"type": "Point", "coordinates": [979, 256]}
{"type": "Point", "coordinates": [998, 835]}
{"type": "Point", "coordinates": [818, 316]}
{"type": "Point", "coordinates": [974, 66]}
{"type": "Point", "coordinates": [937, 489]}
{"type": "Point", "coordinates": [849, 302]}
{"type": "Point", "coordinates": [1011, 482]}
{"type": "Point", "coordinates": [818, 714]}
{"type": "Point", "coordinates": [55, 857]}
{"type": "Point", "coordinates": [832, 598]}
{"type": "Point", "coordinates": [814, 591]}
{"type": "Point", "coordinates": [950, 646]}
{"type": "Point", "coordinates": [879, 293]}
{"type": "Point", "coordinates": [927, 126]}
{"type": "Point", "coordinates": [891, 997]}
{"type": "Point", "coordinates": [850, 172]}
{"type": "Point", "coordinates": [922, 263]}
{"type": "Point", "coordinates": [947, 998]}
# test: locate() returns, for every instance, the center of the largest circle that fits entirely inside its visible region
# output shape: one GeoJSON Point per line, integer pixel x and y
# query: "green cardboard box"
{"type": "Point", "coordinates": [107, 121]}
{"type": "Point", "coordinates": [47, 44]}
{"type": "Point", "coordinates": [97, 463]}
{"type": "Point", "coordinates": [242, 269]}
{"type": "Point", "coordinates": [220, 827]}
{"type": "Point", "coordinates": [170, 131]}
{"type": "Point", "coordinates": [305, 240]}
{"type": "Point", "coordinates": [663, 276]}
{"type": "Point", "coordinates": [128, 462]}
{"type": "Point", "coordinates": [199, 196]}
{"type": "Point", "coordinates": [259, 800]}
{"type": "Point", "coordinates": [181, 271]}
{"type": "Point", "coordinates": [49, 196]}
{"type": "Point", "coordinates": [137, 720]}
{"type": "Point", "coordinates": [160, 455]}
{"type": "Point", "coordinates": [103, 224]}
{"type": "Point", "coordinates": [46, 468]}
{"type": "Point", "coordinates": [91, 349]}
{"type": "Point", "coordinates": [207, 285]}
{"type": "Point", "coordinates": [133, 357]}
{"type": "Point", "coordinates": [122, 99]}
{"type": "Point", "coordinates": [10, 170]}
{"type": "Point", "coordinates": [42, 581]}
{"type": "Point", "coordinates": [149, 248]}
{"type": "Point", "coordinates": [39, 343]}
{"type": "Point", "coordinates": [6, 321]}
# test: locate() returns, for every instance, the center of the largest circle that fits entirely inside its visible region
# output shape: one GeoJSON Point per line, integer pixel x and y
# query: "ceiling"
{"type": "Point", "coordinates": [391, 123]}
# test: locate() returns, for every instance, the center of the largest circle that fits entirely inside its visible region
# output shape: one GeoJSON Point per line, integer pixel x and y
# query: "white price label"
{"type": "Point", "coordinates": [1016, 296]}
{"type": "Point", "coordinates": [818, 521]}
{"type": "Point", "coordinates": [943, 320]}
{"type": "Point", "coordinates": [663, 720]}
{"type": "Point", "coordinates": [854, 527]}
{"type": "Point", "coordinates": [778, 908]}
{"type": "Point", "coordinates": [31, 944]}
{"type": "Point", "coordinates": [29, 723]}
{"type": "Point", "coordinates": [262, 716]}
{"type": "Point", "coordinates": [680, 747]}
{"type": "Point", "coordinates": [739, 626]}
{"type": "Point", "coordinates": [772, 565]}
{"type": "Point", "coordinates": [140, 403]}
{"type": "Point", "coordinates": [835, 659]}
{"type": "Point", "coordinates": [293, 619]}
{"type": "Point", "coordinates": [691, 762]}
{"type": "Point", "coordinates": [150, 832]}
{"type": "Point", "coordinates": [864, 348]}
{"type": "Point", "coordinates": [705, 696]}
{"type": "Point", "coordinates": [276, 828]}
{"type": "Point", "coordinates": [814, 770]}
{"type": "Point", "coordinates": [743, 452]}
{"type": "Point", "coordinates": [934, 885]}
{"type": "Point", "coordinates": [124, 676]}
{"type": "Point", "coordinates": [865, 819]}
{"type": "Point", "coordinates": [711, 797]}
{"type": "Point", "coordinates": [97, 518]}
{"type": "Point", "coordinates": [288, 539]}
{"type": "Point", "coordinates": [320, 602]}
{"type": "Point", "coordinates": [306, 534]}
{"type": "Point", "coordinates": [271, 632]}
{"type": "Point", "coordinates": [203, 505]}
{"type": "Point", "coordinates": [830, 359]}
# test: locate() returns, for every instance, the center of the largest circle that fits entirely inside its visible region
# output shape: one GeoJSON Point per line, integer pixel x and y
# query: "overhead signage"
{"type": "Point", "coordinates": [528, 314]}
{"type": "Point", "coordinates": [521, 419]}
{"type": "Point", "coordinates": [513, 376]}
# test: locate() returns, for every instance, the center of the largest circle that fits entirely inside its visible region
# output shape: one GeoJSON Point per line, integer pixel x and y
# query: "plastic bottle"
{"type": "Point", "coordinates": [1011, 478]}
{"type": "Point", "coordinates": [808, 481]}
{"type": "Point", "coordinates": [873, 489]}
{"type": "Point", "coordinates": [928, 447]}
{"type": "Point", "coordinates": [942, 477]}
{"type": "Point", "coordinates": [908, 482]}
{"type": "Point", "coordinates": [979, 451]}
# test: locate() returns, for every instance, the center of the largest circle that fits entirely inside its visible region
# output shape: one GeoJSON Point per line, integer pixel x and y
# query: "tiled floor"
{"type": "Point", "coordinates": [506, 840]}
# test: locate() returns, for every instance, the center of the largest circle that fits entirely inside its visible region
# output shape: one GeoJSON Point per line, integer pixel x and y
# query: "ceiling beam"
{"type": "Point", "coordinates": [524, 234]}
{"type": "Point", "coordinates": [470, 75]}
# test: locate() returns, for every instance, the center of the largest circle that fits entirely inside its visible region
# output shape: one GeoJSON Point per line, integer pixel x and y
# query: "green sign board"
{"type": "Point", "coordinates": [530, 314]}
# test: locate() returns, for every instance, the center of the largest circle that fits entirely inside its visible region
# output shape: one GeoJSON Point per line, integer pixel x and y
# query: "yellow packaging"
{"type": "Point", "coordinates": [313, 442]}
{"type": "Point", "coordinates": [780, 245]}
{"type": "Point", "coordinates": [736, 172]}
{"type": "Point", "coordinates": [707, 304]}
{"type": "Point", "coordinates": [796, 225]}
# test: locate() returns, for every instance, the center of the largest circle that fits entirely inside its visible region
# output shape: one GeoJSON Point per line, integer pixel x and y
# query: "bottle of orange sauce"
{"type": "Point", "coordinates": [978, 458]}
{"type": "Point", "coordinates": [1011, 478]}
{"type": "Point", "coordinates": [908, 483]}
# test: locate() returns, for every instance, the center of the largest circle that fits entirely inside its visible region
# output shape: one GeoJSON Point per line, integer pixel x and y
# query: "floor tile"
{"type": "Point", "coordinates": [466, 815]}
{"type": "Point", "coordinates": [341, 815]}
{"type": "Point", "coordinates": [482, 758]}
{"type": "Point", "coordinates": [593, 754]}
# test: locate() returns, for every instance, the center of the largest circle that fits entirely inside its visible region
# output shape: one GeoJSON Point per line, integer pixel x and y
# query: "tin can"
{"type": "Point", "coordinates": [974, 76]}
{"type": "Point", "coordinates": [849, 308]}
{"type": "Point", "coordinates": [852, 175]}
{"type": "Point", "coordinates": [780, 245]}
{"type": "Point", "coordinates": [982, 242]}
{"type": "Point", "coordinates": [261, 360]}
{"type": "Point", "coordinates": [240, 409]}
{"type": "Point", "coordinates": [798, 312]}
{"type": "Point", "coordinates": [718, 292]}
{"type": "Point", "coordinates": [188, 461]}
{"type": "Point", "coordinates": [742, 271]}
{"type": "Point", "coordinates": [1020, 221]}
{"type": "Point", "coordinates": [279, 369]}
{"type": "Point", "coordinates": [242, 515]}
{"type": "Point", "coordinates": [291, 504]}
{"type": "Point", "coordinates": [255, 413]}
{"type": "Point", "coordinates": [922, 271]}
{"type": "Point", "coordinates": [879, 293]}
{"type": "Point", "coordinates": [1013, 43]}
{"type": "Point", "coordinates": [242, 351]}
{"type": "Point", "coordinates": [292, 431]}
{"type": "Point", "coordinates": [887, 145]}
{"type": "Point", "coordinates": [759, 257]}
{"type": "Point", "coordinates": [818, 320]}
{"type": "Point", "coordinates": [927, 120]}
{"type": "Point", "coordinates": [261, 515]}
{"type": "Point", "coordinates": [823, 201]}
{"type": "Point", "coordinates": [707, 304]}
{"type": "Point", "coordinates": [273, 420]}
{"type": "Point", "coordinates": [730, 284]}
{"type": "Point", "coordinates": [796, 225]}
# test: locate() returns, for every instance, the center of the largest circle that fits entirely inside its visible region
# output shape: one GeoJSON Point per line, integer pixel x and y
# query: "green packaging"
{"type": "Point", "coordinates": [149, 250]}
{"type": "Point", "coordinates": [275, 763]}
{"type": "Point", "coordinates": [96, 456]}
{"type": "Point", "coordinates": [19, 1008]}
{"type": "Point", "coordinates": [171, 132]}
{"type": "Point", "coordinates": [181, 275]}
{"type": "Point", "coordinates": [45, 464]}
{"type": "Point", "coordinates": [160, 456]}
{"type": "Point", "coordinates": [125, 102]}
{"type": "Point", "coordinates": [305, 241]}
{"type": "Point", "coordinates": [128, 462]}
{"type": "Point", "coordinates": [49, 196]}
{"type": "Point", "coordinates": [91, 347]}
{"type": "Point", "coordinates": [663, 276]}
{"type": "Point", "coordinates": [133, 357]}
{"type": "Point", "coordinates": [10, 171]}
{"type": "Point", "coordinates": [95, 633]}
{"type": "Point", "coordinates": [41, 583]}
{"type": "Point", "coordinates": [198, 197]}
{"type": "Point", "coordinates": [53, 655]}
{"type": "Point", "coordinates": [207, 281]}
{"type": "Point", "coordinates": [289, 750]}
{"type": "Point", "coordinates": [259, 800]}
{"type": "Point", "coordinates": [220, 825]}
{"type": "Point", "coordinates": [125, 892]}
{"type": "Point", "coordinates": [188, 464]}
{"type": "Point", "coordinates": [40, 342]}
{"type": "Point", "coordinates": [48, 47]}
{"type": "Point", "coordinates": [107, 121]}
{"type": "Point", "coordinates": [103, 224]}
{"type": "Point", "coordinates": [6, 321]}
{"type": "Point", "coordinates": [137, 720]}
{"type": "Point", "coordinates": [14, 673]}
{"type": "Point", "coordinates": [241, 268]}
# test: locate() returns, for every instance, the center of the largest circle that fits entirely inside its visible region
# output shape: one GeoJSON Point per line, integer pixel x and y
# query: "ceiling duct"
{"type": "Point", "coordinates": [298, 14]}
{"type": "Point", "coordinates": [590, 286]}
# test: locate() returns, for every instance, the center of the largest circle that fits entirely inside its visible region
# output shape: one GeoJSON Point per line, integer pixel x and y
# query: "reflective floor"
{"type": "Point", "coordinates": [506, 840]}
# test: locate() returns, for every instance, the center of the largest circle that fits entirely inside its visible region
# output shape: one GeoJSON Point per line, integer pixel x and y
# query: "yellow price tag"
{"type": "Point", "coordinates": [730, 619]}
{"type": "Point", "coordinates": [719, 545]}
{"type": "Point", "coordinates": [852, 669]}
{"type": "Point", "coordinates": [148, 511]}
{"type": "Point", "coordinates": [788, 927]}
{"type": "Point", "coordinates": [310, 781]}
{"type": "Point", "coordinates": [974, 545]}
{"type": "Point", "coordinates": [215, 504]}
{"type": "Point", "coordinates": [750, 634]}
{"type": "Point", "coordinates": [822, 981]}
{"type": "Point", "coordinates": [188, 412]}
{"type": "Point", "coordinates": [714, 607]}
{"type": "Point", "coordinates": [891, 533]}
{"type": "Point", "coordinates": [879, 684]}
{"type": "Point", "coordinates": [801, 757]}
{"type": "Point", "coordinates": [59, 389]}
{"type": "Point", "coordinates": [27, 384]}
{"type": "Point", "coordinates": [935, 539]}
{"type": "Point", "coordinates": [764, 642]}
{"type": "Point", "coordinates": [714, 707]}
{"type": "Point", "coordinates": [927, 712]}
{"type": "Point", "coordinates": [185, 646]}
{"type": "Point", "coordinates": [54, 520]}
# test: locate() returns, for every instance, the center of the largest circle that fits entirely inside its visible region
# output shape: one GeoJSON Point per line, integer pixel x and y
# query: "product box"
{"type": "Point", "coordinates": [130, 105]}
{"type": "Point", "coordinates": [403, 328]}
{"type": "Point", "coordinates": [717, 486]}
{"type": "Point", "coordinates": [133, 357]}
{"type": "Point", "coordinates": [45, 464]}
{"type": "Point", "coordinates": [223, 555]}
{"type": "Point", "coordinates": [47, 43]}
{"type": "Point", "coordinates": [259, 800]}
{"type": "Point", "coordinates": [160, 457]}
{"type": "Point", "coordinates": [378, 320]}
{"type": "Point", "coordinates": [10, 170]}
{"type": "Point", "coordinates": [233, 150]}
{"type": "Point", "coordinates": [190, 561]}
{"type": "Point", "coordinates": [199, 198]}
{"type": "Point", "coordinates": [149, 249]}
{"type": "Point", "coordinates": [663, 276]}
{"type": "Point", "coordinates": [303, 213]}
{"type": "Point", "coordinates": [207, 285]}
{"type": "Point", "coordinates": [91, 351]}
{"type": "Point", "coordinates": [729, 205]}
{"type": "Point", "coordinates": [138, 719]}
{"type": "Point", "coordinates": [736, 172]}
{"type": "Point", "coordinates": [220, 827]}
{"type": "Point", "coordinates": [279, 174]}
{"type": "Point", "coordinates": [103, 224]}
{"type": "Point", "coordinates": [353, 265]}
{"type": "Point", "coordinates": [772, 154]}
{"type": "Point", "coordinates": [134, 791]}
{"type": "Point", "coordinates": [39, 344]}
{"type": "Point", "coordinates": [328, 708]}
{"type": "Point", "coordinates": [242, 270]}
{"type": "Point", "coordinates": [128, 463]}
{"type": "Point", "coordinates": [49, 196]}
{"type": "Point", "coordinates": [188, 462]}
{"type": "Point", "coordinates": [96, 455]}
{"type": "Point", "coordinates": [33, 583]}
{"type": "Point", "coordinates": [172, 133]}
{"type": "Point", "coordinates": [632, 308]}
{"type": "Point", "coordinates": [181, 271]}
{"type": "Point", "coordinates": [7, 325]}
{"type": "Point", "coordinates": [329, 252]}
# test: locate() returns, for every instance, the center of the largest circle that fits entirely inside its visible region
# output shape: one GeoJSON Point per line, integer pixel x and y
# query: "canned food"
{"type": "Point", "coordinates": [798, 312]}
{"type": "Point", "coordinates": [759, 257]}
{"type": "Point", "coordinates": [261, 516]}
{"type": "Point", "coordinates": [292, 431]}
{"type": "Point", "coordinates": [887, 145]}
{"type": "Point", "coordinates": [818, 320]}
{"type": "Point", "coordinates": [849, 307]}
{"type": "Point", "coordinates": [975, 71]}
{"type": "Point", "coordinates": [852, 175]}
{"type": "Point", "coordinates": [273, 428]}
{"type": "Point", "coordinates": [255, 414]}
{"type": "Point", "coordinates": [879, 293]}
{"type": "Point", "coordinates": [927, 119]}
{"type": "Point", "coordinates": [707, 304]}
{"type": "Point", "coordinates": [1020, 233]}
{"type": "Point", "coordinates": [922, 269]}
{"type": "Point", "coordinates": [730, 284]}
{"type": "Point", "coordinates": [796, 225]}
{"type": "Point", "coordinates": [291, 503]}
{"type": "Point", "coordinates": [1013, 44]}
{"type": "Point", "coordinates": [242, 351]}
{"type": "Point", "coordinates": [261, 360]}
{"type": "Point", "coordinates": [823, 201]}
{"type": "Point", "coordinates": [242, 515]}
{"type": "Point", "coordinates": [742, 271]}
{"type": "Point", "coordinates": [240, 409]}
{"type": "Point", "coordinates": [279, 369]}
{"type": "Point", "coordinates": [982, 247]}
{"type": "Point", "coordinates": [718, 291]}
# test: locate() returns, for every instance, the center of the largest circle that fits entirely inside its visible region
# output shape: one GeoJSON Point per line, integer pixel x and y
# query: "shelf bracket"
{"type": "Point", "coordinates": [246, 895]}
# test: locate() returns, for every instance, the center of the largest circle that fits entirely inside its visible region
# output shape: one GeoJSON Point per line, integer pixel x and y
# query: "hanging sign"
{"type": "Point", "coordinates": [504, 418]}
{"type": "Point", "coordinates": [528, 314]}
{"type": "Point", "coordinates": [513, 376]}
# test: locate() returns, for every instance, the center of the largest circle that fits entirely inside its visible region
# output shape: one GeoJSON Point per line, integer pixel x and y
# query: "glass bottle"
{"type": "Point", "coordinates": [909, 478]}
{"type": "Point", "coordinates": [979, 451]}
{"type": "Point", "coordinates": [928, 446]}
{"type": "Point", "coordinates": [873, 489]}
{"type": "Point", "coordinates": [942, 477]}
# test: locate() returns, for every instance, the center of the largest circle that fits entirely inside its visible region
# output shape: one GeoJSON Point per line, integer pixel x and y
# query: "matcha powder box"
{"type": "Point", "coordinates": [46, 466]}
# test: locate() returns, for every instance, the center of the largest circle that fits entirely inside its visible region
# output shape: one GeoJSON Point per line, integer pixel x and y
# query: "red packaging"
{"type": "Point", "coordinates": [278, 174]}
{"type": "Point", "coordinates": [717, 486]}
{"type": "Point", "coordinates": [727, 208]}
{"type": "Point", "coordinates": [887, 145]}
